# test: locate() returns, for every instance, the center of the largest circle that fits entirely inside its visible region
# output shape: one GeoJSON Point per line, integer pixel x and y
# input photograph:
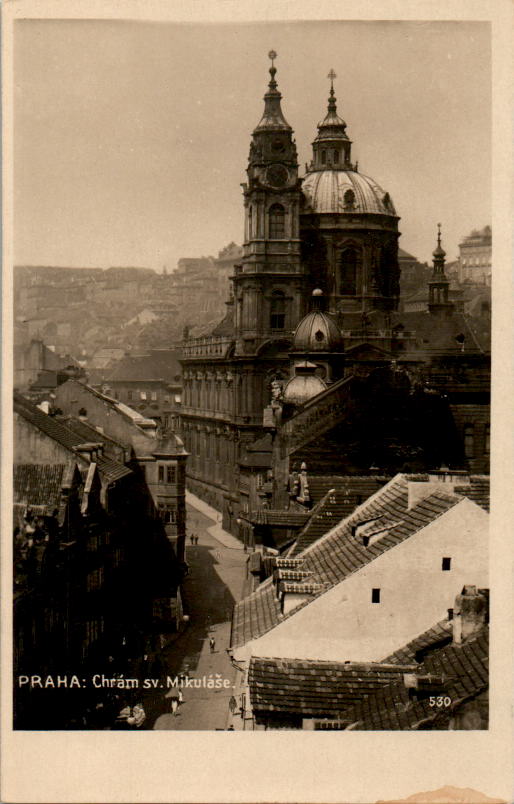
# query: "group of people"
{"type": "Point", "coordinates": [194, 539]}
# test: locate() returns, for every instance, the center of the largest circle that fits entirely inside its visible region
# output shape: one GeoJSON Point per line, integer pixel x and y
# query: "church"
{"type": "Point", "coordinates": [313, 364]}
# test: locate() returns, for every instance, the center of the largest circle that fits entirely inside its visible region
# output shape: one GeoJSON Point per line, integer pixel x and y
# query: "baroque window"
{"type": "Point", "coordinates": [277, 310]}
{"type": "Point", "coordinates": [348, 272]}
{"type": "Point", "coordinates": [277, 218]}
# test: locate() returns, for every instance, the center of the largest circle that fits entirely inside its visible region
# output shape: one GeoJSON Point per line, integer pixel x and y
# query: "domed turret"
{"type": "Point", "coordinates": [304, 385]}
{"type": "Point", "coordinates": [317, 332]}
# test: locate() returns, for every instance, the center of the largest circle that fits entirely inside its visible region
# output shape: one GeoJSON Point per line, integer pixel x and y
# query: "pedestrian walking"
{"type": "Point", "coordinates": [174, 706]}
{"type": "Point", "coordinates": [180, 697]}
{"type": "Point", "coordinates": [196, 542]}
{"type": "Point", "coordinates": [192, 537]}
{"type": "Point", "coordinates": [212, 644]}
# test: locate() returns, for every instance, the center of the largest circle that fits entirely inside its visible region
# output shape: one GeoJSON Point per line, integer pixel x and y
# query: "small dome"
{"type": "Point", "coordinates": [336, 191]}
{"type": "Point", "coordinates": [301, 388]}
{"type": "Point", "coordinates": [317, 332]}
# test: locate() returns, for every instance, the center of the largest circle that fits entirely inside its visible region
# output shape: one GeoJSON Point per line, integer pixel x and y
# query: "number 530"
{"type": "Point", "coordinates": [440, 700]}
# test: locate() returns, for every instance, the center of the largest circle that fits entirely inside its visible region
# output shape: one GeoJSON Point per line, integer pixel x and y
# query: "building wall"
{"type": "Point", "coordinates": [70, 397]}
{"type": "Point", "coordinates": [343, 624]}
{"type": "Point", "coordinates": [33, 446]}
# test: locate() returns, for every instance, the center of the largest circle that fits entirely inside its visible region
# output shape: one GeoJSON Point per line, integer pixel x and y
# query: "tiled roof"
{"type": "Point", "coordinates": [111, 469]}
{"type": "Point", "coordinates": [47, 424]}
{"type": "Point", "coordinates": [39, 484]}
{"type": "Point", "coordinates": [340, 500]}
{"type": "Point", "coordinates": [87, 431]}
{"type": "Point", "coordinates": [354, 486]}
{"type": "Point", "coordinates": [313, 688]}
{"type": "Point", "coordinates": [416, 650]}
{"type": "Point", "coordinates": [268, 516]}
{"type": "Point", "coordinates": [255, 614]}
{"type": "Point", "coordinates": [464, 672]}
{"type": "Point", "coordinates": [157, 365]}
{"type": "Point", "coordinates": [478, 490]}
{"type": "Point", "coordinates": [340, 552]}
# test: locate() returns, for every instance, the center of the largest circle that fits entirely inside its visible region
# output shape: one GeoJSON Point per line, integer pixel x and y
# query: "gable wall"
{"type": "Point", "coordinates": [343, 624]}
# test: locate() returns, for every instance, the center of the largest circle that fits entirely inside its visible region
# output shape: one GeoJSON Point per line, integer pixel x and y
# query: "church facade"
{"type": "Point", "coordinates": [313, 314]}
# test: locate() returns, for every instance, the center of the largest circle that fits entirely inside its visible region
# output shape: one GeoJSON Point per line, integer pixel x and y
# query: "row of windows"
{"type": "Point", "coordinates": [476, 260]}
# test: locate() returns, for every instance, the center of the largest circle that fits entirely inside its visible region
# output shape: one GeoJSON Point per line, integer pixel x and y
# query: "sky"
{"type": "Point", "coordinates": [131, 138]}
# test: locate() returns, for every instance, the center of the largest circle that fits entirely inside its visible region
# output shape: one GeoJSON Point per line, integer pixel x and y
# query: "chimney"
{"type": "Point", "coordinates": [418, 490]}
{"type": "Point", "coordinates": [470, 613]}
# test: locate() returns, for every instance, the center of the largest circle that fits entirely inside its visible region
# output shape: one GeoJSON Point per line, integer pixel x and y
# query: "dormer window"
{"type": "Point", "coordinates": [319, 336]}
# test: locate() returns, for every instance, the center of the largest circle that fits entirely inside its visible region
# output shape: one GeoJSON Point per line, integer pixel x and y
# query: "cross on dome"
{"type": "Point", "coordinates": [272, 55]}
{"type": "Point", "coordinates": [332, 75]}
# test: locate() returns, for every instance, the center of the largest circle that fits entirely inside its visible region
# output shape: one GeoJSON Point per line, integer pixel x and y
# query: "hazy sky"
{"type": "Point", "coordinates": [131, 139]}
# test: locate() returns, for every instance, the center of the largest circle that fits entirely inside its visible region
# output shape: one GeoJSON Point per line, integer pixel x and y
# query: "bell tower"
{"type": "Point", "coordinates": [269, 284]}
{"type": "Point", "coordinates": [439, 285]}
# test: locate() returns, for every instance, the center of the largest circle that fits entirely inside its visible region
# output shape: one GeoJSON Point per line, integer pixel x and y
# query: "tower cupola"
{"type": "Point", "coordinates": [439, 285]}
{"type": "Point", "coordinates": [332, 146]}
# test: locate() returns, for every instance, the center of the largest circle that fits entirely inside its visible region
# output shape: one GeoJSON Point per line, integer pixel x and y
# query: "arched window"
{"type": "Point", "coordinates": [348, 272]}
{"type": "Point", "coordinates": [250, 225]}
{"type": "Point", "coordinates": [323, 157]}
{"type": "Point", "coordinates": [276, 222]}
{"type": "Point", "coordinates": [336, 157]}
{"type": "Point", "coordinates": [469, 441]}
{"type": "Point", "coordinates": [278, 310]}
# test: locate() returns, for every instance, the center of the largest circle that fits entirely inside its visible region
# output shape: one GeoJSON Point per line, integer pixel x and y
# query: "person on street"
{"type": "Point", "coordinates": [212, 644]}
{"type": "Point", "coordinates": [174, 706]}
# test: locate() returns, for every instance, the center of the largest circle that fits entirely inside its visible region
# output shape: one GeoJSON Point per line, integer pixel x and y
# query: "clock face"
{"type": "Point", "coordinates": [277, 175]}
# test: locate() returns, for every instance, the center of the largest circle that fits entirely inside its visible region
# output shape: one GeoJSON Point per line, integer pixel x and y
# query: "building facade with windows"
{"type": "Point", "coordinates": [314, 308]}
{"type": "Point", "coordinates": [475, 257]}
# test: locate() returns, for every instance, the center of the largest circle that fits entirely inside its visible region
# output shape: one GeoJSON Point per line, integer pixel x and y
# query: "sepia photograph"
{"type": "Point", "coordinates": [252, 278]}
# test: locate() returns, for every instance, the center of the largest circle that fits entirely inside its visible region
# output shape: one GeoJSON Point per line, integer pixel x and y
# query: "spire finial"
{"type": "Point", "coordinates": [332, 75]}
{"type": "Point", "coordinates": [439, 234]}
{"type": "Point", "coordinates": [272, 70]}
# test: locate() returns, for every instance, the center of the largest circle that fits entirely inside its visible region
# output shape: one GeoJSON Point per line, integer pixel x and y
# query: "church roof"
{"type": "Point", "coordinates": [317, 332]}
{"type": "Point", "coordinates": [325, 192]}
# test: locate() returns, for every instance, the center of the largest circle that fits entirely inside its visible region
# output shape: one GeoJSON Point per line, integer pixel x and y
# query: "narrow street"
{"type": "Point", "coordinates": [214, 584]}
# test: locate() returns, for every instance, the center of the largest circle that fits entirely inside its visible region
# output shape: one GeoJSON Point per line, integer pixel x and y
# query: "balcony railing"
{"type": "Point", "coordinates": [213, 346]}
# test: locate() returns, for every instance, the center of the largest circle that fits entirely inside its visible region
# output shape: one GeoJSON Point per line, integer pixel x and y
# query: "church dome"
{"type": "Point", "coordinates": [317, 332]}
{"type": "Point", "coordinates": [302, 387]}
{"type": "Point", "coordinates": [337, 191]}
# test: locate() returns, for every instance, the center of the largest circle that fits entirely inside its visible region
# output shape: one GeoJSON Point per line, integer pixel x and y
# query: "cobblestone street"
{"type": "Point", "coordinates": [215, 582]}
